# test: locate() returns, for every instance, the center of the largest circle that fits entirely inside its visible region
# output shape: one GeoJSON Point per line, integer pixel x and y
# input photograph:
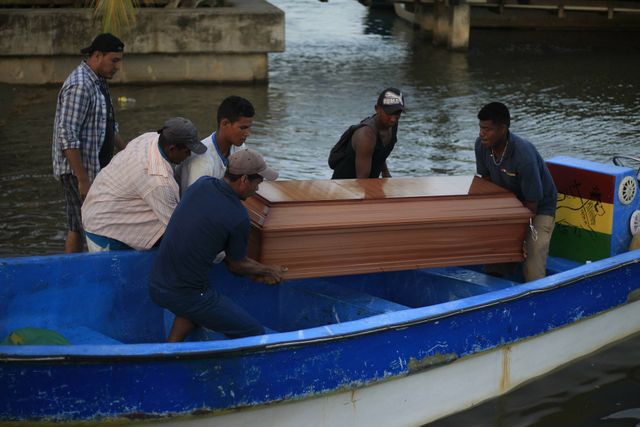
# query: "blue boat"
{"type": "Point", "coordinates": [387, 348]}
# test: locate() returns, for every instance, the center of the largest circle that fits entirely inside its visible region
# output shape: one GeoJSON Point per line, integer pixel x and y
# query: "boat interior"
{"type": "Point", "coordinates": [102, 299]}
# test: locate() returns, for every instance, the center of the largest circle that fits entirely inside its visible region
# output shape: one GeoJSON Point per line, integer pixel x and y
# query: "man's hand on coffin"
{"type": "Point", "coordinates": [273, 276]}
{"type": "Point", "coordinates": [269, 274]}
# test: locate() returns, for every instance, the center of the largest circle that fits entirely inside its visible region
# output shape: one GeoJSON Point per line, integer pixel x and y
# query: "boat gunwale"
{"type": "Point", "coordinates": [320, 334]}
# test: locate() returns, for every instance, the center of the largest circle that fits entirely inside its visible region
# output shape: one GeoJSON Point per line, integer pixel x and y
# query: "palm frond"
{"type": "Point", "coordinates": [118, 16]}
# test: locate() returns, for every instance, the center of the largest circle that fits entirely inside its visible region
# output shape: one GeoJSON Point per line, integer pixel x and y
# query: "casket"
{"type": "Point", "coordinates": [330, 227]}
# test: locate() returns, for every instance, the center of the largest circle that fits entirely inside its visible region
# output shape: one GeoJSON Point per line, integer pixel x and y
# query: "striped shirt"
{"type": "Point", "coordinates": [80, 121]}
{"type": "Point", "coordinates": [133, 197]}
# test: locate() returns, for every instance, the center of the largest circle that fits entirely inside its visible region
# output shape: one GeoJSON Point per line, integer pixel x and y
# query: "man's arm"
{"type": "Point", "coordinates": [269, 274]}
{"type": "Point", "coordinates": [73, 110]}
{"type": "Point", "coordinates": [363, 142]}
{"type": "Point", "coordinates": [532, 206]}
{"type": "Point", "coordinates": [75, 162]}
{"type": "Point", "coordinates": [385, 170]}
{"type": "Point", "coordinates": [531, 185]}
{"type": "Point", "coordinates": [481, 168]}
{"type": "Point", "coordinates": [162, 201]}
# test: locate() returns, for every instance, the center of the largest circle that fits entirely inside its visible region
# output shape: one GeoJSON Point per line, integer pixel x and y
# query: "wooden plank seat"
{"type": "Point", "coordinates": [324, 302]}
{"type": "Point", "coordinates": [330, 227]}
{"type": "Point", "coordinates": [482, 282]}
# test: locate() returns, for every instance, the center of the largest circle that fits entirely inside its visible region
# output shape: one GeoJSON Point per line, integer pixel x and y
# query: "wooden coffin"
{"type": "Point", "coordinates": [331, 227]}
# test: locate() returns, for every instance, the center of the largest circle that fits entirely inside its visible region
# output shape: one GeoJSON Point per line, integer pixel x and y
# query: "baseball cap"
{"type": "Point", "coordinates": [391, 100]}
{"type": "Point", "coordinates": [249, 162]}
{"type": "Point", "coordinates": [105, 42]}
{"type": "Point", "coordinates": [178, 130]}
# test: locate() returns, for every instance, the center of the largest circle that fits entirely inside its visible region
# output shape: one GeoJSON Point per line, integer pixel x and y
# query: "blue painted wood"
{"type": "Point", "coordinates": [620, 231]}
{"type": "Point", "coordinates": [357, 330]}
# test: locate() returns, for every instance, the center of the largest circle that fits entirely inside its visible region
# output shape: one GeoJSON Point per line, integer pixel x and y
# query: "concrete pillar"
{"type": "Point", "coordinates": [459, 27]}
{"type": "Point", "coordinates": [451, 24]}
{"type": "Point", "coordinates": [561, 13]}
{"type": "Point", "coordinates": [440, 23]}
{"type": "Point", "coordinates": [424, 16]}
{"type": "Point", "coordinates": [448, 20]}
{"type": "Point", "coordinates": [417, 13]}
{"type": "Point", "coordinates": [402, 12]}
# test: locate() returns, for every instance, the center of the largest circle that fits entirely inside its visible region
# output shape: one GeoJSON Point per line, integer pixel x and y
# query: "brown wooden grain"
{"type": "Point", "coordinates": [329, 227]}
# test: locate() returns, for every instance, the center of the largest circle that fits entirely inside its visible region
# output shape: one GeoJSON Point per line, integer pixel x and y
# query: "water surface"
{"type": "Point", "coordinates": [571, 93]}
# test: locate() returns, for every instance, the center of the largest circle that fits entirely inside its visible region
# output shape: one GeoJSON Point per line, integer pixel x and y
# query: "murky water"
{"type": "Point", "coordinates": [571, 93]}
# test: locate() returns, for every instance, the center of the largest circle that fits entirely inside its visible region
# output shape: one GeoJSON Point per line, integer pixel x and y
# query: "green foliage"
{"type": "Point", "coordinates": [34, 336]}
{"type": "Point", "coordinates": [117, 16]}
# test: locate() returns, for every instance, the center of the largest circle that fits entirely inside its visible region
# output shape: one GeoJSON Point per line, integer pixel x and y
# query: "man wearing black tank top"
{"type": "Point", "coordinates": [372, 140]}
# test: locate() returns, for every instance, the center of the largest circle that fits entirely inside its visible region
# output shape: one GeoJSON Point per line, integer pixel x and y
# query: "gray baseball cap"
{"type": "Point", "coordinates": [250, 162]}
{"type": "Point", "coordinates": [178, 130]}
{"type": "Point", "coordinates": [391, 100]}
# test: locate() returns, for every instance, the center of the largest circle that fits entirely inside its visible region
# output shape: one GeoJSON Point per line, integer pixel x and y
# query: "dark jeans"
{"type": "Point", "coordinates": [209, 309]}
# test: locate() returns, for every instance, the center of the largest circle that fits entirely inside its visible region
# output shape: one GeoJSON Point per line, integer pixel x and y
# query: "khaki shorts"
{"type": "Point", "coordinates": [537, 250]}
{"type": "Point", "coordinates": [537, 246]}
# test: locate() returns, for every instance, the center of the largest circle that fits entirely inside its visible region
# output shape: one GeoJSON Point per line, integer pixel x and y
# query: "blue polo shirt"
{"type": "Point", "coordinates": [210, 218]}
{"type": "Point", "coordinates": [522, 171]}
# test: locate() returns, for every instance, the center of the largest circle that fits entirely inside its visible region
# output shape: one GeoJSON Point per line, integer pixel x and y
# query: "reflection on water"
{"type": "Point", "coordinates": [571, 93]}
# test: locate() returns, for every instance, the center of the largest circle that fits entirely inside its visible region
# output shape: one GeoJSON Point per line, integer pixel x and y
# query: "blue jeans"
{"type": "Point", "coordinates": [209, 309]}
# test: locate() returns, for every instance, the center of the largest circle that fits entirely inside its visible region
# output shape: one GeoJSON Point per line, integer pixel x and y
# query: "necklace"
{"type": "Point", "coordinates": [499, 162]}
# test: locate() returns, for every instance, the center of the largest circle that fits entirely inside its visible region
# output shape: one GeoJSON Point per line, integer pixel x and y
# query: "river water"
{"type": "Point", "coordinates": [571, 93]}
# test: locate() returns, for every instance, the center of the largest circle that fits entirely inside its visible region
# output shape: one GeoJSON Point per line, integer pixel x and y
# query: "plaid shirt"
{"type": "Point", "coordinates": [81, 121]}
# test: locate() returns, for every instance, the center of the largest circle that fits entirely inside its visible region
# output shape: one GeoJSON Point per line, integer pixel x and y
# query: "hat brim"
{"type": "Point", "coordinates": [197, 147]}
{"type": "Point", "coordinates": [392, 109]}
{"type": "Point", "coordinates": [268, 174]}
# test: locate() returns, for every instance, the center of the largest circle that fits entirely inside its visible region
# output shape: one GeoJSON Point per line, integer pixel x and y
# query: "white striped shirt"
{"type": "Point", "coordinates": [132, 199]}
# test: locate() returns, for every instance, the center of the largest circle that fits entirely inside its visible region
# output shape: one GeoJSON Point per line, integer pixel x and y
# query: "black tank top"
{"type": "Point", "coordinates": [346, 169]}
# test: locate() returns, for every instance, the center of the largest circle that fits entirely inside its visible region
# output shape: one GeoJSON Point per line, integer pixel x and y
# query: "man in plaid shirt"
{"type": "Point", "coordinates": [85, 131]}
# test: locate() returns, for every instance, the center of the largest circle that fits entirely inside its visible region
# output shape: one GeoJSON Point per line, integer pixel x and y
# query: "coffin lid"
{"type": "Point", "coordinates": [326, 204]}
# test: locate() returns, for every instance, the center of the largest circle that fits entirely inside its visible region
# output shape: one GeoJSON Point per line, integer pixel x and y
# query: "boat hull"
{"type": "Point", "coordinates": [427, 396]}
{"type": "Point", "coordinates": [451, 354]}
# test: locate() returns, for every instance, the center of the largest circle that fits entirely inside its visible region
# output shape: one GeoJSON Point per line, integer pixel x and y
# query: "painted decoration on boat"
{"type": "Point", "coordinates": [595, 204]}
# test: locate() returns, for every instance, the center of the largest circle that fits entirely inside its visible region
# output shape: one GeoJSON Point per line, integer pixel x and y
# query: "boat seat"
{"type": "Point", "coordinates": [323, 302]}
{"type": "Point", "coordinates": [558, 265]}
{"type": "Point", "coordinates": [79, 335]}
{"type": "Point", "coordinates": [478, 278]}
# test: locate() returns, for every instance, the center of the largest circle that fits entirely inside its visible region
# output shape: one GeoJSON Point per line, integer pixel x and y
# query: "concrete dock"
{"type": "Point", "coordinates": [204, 44]}
{"type": "Point", "coordinates": [450, 20]}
